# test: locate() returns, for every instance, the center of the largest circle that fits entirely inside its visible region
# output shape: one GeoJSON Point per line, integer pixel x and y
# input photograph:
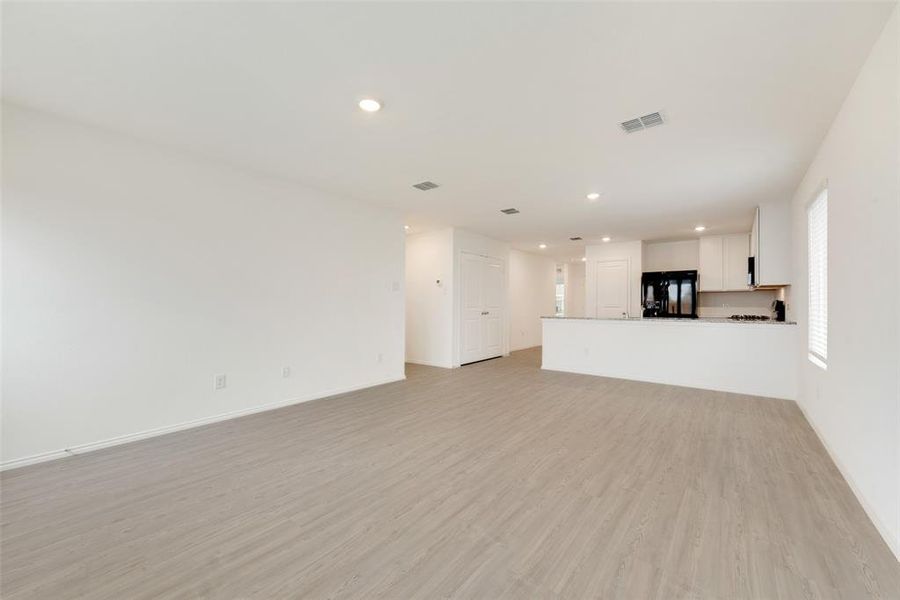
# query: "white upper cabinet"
{"type": "Point", "coordinates": [754, 244]}
{"type": "Point", "coordinates": [771, 243]}
{"type": "Point", "coordinates": [710, 273]}
{"type": "Point", "coordinates": [736, 250]}
{"type": "Point", "coordinates": [723, 262]}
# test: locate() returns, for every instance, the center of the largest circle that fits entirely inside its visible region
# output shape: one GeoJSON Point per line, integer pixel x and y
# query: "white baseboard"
{"type": "Point", "coordinates": [893, 545]}
{"type": "Point", "coordinates": [427, 363]}
{"type": "Point", "coordinates": [140, 435]}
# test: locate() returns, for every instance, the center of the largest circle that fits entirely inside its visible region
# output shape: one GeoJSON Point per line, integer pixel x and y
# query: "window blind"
{"type": "Point", "coordinates": [817, 261]}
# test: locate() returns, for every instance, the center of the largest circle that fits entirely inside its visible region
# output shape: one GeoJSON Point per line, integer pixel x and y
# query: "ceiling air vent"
{"type": "Point", "coordinates": [510, 211]}
{"type": "Point", "coordinates": [652, 120]}
{"type": "Point", "coordinates": [576, 238]}
{"type": "Point", "coordinates": [425, 185]}
{"type": "Point", "coordinates": [632, 125]}
{"type": "Point", "coordinates": [638, 123]}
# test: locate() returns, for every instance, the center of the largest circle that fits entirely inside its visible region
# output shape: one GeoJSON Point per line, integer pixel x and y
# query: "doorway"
{"type": "Point", "coordinates": [612, 288]}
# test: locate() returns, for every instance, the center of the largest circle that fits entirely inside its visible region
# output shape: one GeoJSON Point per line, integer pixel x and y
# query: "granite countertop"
{"type": "Point", "coordinates": [675, 320]}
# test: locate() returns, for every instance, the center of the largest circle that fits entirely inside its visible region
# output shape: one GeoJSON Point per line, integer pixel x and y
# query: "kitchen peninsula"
{"type": "Point", "coordinates": [755, 357]}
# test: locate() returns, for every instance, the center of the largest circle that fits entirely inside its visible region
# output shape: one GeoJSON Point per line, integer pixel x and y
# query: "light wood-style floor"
{"type": "Point", "coordinates": [496, 480]}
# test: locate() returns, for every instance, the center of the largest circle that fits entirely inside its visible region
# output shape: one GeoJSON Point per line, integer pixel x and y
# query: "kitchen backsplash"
{"type": "Point", "coordinates": [725, 304]}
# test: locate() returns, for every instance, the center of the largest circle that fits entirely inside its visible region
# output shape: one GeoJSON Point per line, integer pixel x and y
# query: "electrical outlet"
{"type": "Point", "coordinates": [380, 357]}
{"type": "Point", "coordinates": [219, 382]}
{"type": "Point", "coordinates": [285, 371]}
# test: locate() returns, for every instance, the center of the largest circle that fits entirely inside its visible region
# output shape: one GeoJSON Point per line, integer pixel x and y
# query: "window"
{"type": "Point", "coordinates": [817, 264]}
{"type": "Point", "coordinates": [560, 292]}
{"type": "Point", "coordinates": [560, 299]}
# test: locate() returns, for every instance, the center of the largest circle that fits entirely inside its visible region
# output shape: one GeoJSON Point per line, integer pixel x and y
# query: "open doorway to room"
{"type": "Point", "coordinates": [570, 289]}
{"type": "Point", "coordinates": [560, 291]}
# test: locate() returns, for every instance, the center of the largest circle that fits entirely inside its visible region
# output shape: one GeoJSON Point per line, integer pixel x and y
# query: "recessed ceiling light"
{"type": "Point", "coordinates": [606, 239]}
{"type": "Point", "coordinates": [584, 259]}
{"type": "Point", "coordinates": [593, 196]}
{"type": "Point", "coordinates": [700, 228]}
{"type": "Point", "coordinates": [370, 105]}
{"type": "Point", "coordinates": [542, 246]}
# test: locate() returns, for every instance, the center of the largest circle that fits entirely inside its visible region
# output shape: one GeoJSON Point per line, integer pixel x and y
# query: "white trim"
{"type": "Point", "coordinates": [141, 435]}
{"type": "Point", "coordinates": [428, 363]}
{"type": "Point", "coordinates": [814, 359]}
{"type": "Point", "coordinates": [823, 187]}
{"type": "Point", "coordinates": [893, 545]}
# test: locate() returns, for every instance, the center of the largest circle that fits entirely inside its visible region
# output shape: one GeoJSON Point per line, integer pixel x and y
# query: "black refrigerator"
{"type": "Point", "coordinates": [669, 294]}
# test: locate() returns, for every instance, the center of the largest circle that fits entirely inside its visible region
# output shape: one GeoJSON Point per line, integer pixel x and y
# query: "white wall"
{"type": "Point", "coordinates": [532, 295]}
{"type": "Point", "coordinates": [133, 274]}
{"type": "Point", "coordinates": [429, 304]}
{"type": "Point", "coordinates": [575, 291]}
{"type": "Point", "coordinates": [633, 252]}
{"type": "Point", "coordinates": [672, 256]}
{"type": "Point", "coordinates": [467, 241]}
{"type": "Point", "coordinates": [855, 404]}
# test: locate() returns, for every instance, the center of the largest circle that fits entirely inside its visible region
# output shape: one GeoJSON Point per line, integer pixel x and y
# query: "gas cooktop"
{"type": "Point", "coordinates": [749, 318]}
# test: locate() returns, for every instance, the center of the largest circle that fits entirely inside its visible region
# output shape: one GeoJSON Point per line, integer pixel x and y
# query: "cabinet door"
{"type": "Point", "coordinates": [773, 261]}
{"type": "Point", "coordinates": [710, 274]}
{"type": "Point", "coordinates": [754, 245]}
{"type": "Point", "coordinates": [736, 249]}
{"type": "Point", "coordinates": [754, 234]}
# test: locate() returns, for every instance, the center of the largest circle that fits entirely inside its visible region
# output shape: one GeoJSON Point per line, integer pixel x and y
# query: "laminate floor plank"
{"type": "Point", "coordinates": [496, 480]}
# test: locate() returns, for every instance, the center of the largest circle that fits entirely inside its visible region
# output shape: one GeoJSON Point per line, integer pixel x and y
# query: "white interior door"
{"type": "Point", "coordinates": [470, 342]}
{"type": "Point", "coordinates": [482, 297]}
{"type": "Point", "coordinates": [612, 289]}
{"type": "Point", "coordinates": [492, 321]}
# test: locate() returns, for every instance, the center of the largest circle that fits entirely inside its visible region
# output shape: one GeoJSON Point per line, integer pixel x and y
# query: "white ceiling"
{"type": "Point", "coordinates": [502, 104]}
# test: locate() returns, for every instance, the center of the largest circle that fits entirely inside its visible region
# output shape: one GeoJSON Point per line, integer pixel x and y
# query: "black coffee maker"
{"type": "Point", "coordinates": [778, 307]}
